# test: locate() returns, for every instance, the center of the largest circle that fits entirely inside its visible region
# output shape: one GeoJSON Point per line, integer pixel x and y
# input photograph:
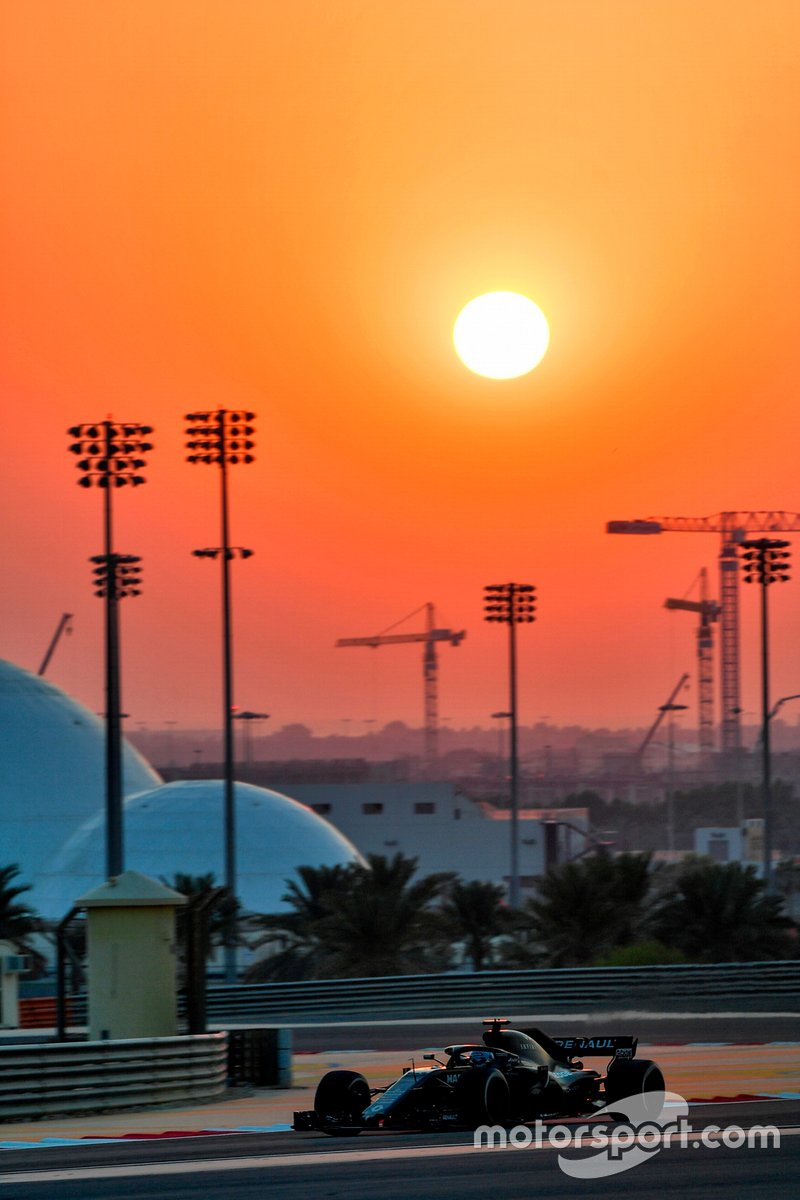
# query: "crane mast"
{"type": "Point", "coordinates": [430, 668]}
{"type": "Point", "coordinates": [734, 527]}
{"type": "Point", "coordinates": [708, 611]}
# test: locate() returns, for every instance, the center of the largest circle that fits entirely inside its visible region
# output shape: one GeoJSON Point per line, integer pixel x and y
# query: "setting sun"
{"type": "Point", "coordinates": [284, 208]}
{"type": "Point", "coordinates": [501, 335]}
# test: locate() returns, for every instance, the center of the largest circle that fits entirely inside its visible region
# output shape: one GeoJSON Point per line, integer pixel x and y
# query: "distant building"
{"type": "Point", "coordinates": [445, 830]}
{"type": "Point", "coordinates": [731, 844]}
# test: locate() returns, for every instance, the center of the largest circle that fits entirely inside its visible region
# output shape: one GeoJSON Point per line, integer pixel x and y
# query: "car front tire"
{"type": "Point", "coordinates": [340, 1099]}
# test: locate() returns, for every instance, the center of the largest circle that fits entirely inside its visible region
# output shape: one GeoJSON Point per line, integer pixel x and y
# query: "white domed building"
{"type": "Point", "coordinates": [52, 811]}
{"type": "Point", "coordinates": [179, 827]}
{"type": "Point", "coordinates": [52, 770]}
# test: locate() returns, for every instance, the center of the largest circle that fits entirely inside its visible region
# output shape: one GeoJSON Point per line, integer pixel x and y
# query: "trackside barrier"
{"type": "Point", "coordinates": [39, 1012]}
{"type": "Point", "coordinates": [751, 987]}
{"type": "Point", "coordinates": [70, 1077]}
{"type": "Point", "coordinates": [260, 1056]}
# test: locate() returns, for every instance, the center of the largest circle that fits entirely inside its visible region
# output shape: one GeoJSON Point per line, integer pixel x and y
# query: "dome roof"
{"type": "Point", "coordinates": [178, 827]}
{"type": "Point", "coordinates": [52, 769]}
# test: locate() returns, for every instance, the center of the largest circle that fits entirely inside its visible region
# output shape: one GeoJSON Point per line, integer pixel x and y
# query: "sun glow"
{"type": "Point", "coordinates": [501, 335]}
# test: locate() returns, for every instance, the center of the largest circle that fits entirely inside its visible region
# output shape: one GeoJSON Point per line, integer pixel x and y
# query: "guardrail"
{"type": "Point", "coordinates": [70, 1077]}
{"type": "Point", "coordinates": [753, 987]}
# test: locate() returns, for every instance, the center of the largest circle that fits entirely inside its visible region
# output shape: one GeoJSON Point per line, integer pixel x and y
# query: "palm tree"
{"type": "Point", "coordinates": [473, 913]}
{"type": "Point", "coordinates": [318, 889]}
{"type": "Point", "coordinates": [719, 912]}
{"type": "Point", "coordinates": [17, 920]}
{"type": "Point", "coordinates": [586, 908]}
{"type": "Point", "coordinates": [385, 924]}
{"type": "Point", "coordinates": [219, 914]}
{"type": "Point", "coordinates": [354, 920]}
{"type": "Point", "coordinates": [297, 950]}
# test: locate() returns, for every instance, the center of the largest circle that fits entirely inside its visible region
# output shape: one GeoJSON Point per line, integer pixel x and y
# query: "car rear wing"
{"type": "Point", "coordinates": [605, 1046]}
{"type": "Point", "coordinates": [563, 1049]}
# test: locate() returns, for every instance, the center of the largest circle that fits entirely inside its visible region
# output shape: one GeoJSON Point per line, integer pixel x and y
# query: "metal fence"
{"type": "Point", "coordinates": [750, 987]}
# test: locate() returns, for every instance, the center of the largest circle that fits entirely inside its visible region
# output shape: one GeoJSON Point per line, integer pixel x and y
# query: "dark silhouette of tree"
{"type": "Point", "coordinates": [586, 908]}
{"type": "Point", "coordinates": [221, 912]}
{"type": "Point", "coordinates": [719, 912]}
{"type": "Point", "coordinates": [294, 937]}
{"type": "Point", "coordinates": [473, 913]}
{"type": "Point", "coordinates": [384, 923]}
{"type": "Point", "coordinates": [355, 920]}
{"type": "Point", "coordinates": [18, 921]}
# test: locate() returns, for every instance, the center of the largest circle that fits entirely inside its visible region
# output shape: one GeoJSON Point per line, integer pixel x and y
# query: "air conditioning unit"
{"type": "Point", "coordinates": [16, 964]}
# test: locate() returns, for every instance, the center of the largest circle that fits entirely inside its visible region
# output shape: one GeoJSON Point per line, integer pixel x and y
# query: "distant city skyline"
{"type": "Point", "coordinates": [165, 746]}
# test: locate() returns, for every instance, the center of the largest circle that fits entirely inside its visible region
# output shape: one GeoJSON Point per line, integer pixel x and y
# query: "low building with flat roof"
{"type": "Point", "coordinates": [445, 830]}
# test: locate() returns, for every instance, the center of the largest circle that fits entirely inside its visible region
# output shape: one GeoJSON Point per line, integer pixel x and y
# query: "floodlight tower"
{"type": "Point", "coordinates": [512, 604]}
{"type": "Point", "coordinates": [112, 457]}
{"type": "Point", "coordinates": [223, 438]}
{"type": "Point", "coordinates": [766, 561]}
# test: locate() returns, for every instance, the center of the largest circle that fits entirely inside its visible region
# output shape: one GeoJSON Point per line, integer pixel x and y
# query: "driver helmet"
{"type": "Point", "coordinates": [481, 1058]}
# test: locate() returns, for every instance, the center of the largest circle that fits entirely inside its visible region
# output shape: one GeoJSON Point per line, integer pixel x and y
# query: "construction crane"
{"type": "Point", "coordinates": [709, 612]}
{"type": "Point", "coordinates": [663, 709]}
{"type": "Point", "coordinates": [62, 627]}
{"type": "Point", "coordinates": [430, 667]}
{"type": "Point", "coordinates": [734, 528]}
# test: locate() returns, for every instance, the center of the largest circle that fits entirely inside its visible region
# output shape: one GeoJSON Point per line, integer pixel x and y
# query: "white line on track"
{"type": "Point", "coordinates": [50, 1143]}
{"type": "Point", "coordinates": [271, 1161]}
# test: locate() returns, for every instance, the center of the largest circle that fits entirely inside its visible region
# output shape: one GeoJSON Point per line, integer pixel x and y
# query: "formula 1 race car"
{"type": "Point", "coordinates": [512, 1077]}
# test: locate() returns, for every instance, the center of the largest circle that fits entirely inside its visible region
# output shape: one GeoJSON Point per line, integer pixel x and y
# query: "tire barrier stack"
{"type": "Point", "coordinates": [48, 1079]}
{"type": "Point", "coordinates": [260, 1056]}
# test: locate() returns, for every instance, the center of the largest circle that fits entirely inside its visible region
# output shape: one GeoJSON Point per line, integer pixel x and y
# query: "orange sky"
{"type": "Point", "coordinates": [284, 207]}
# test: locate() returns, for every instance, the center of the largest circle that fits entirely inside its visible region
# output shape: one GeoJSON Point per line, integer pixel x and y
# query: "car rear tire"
{"type": "Point", "coordinates": [634, 1077]}
{"type": "Point", "coordinates": [484, 1097]}
{"type": "Point", "coordinates": [340, 1099]}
